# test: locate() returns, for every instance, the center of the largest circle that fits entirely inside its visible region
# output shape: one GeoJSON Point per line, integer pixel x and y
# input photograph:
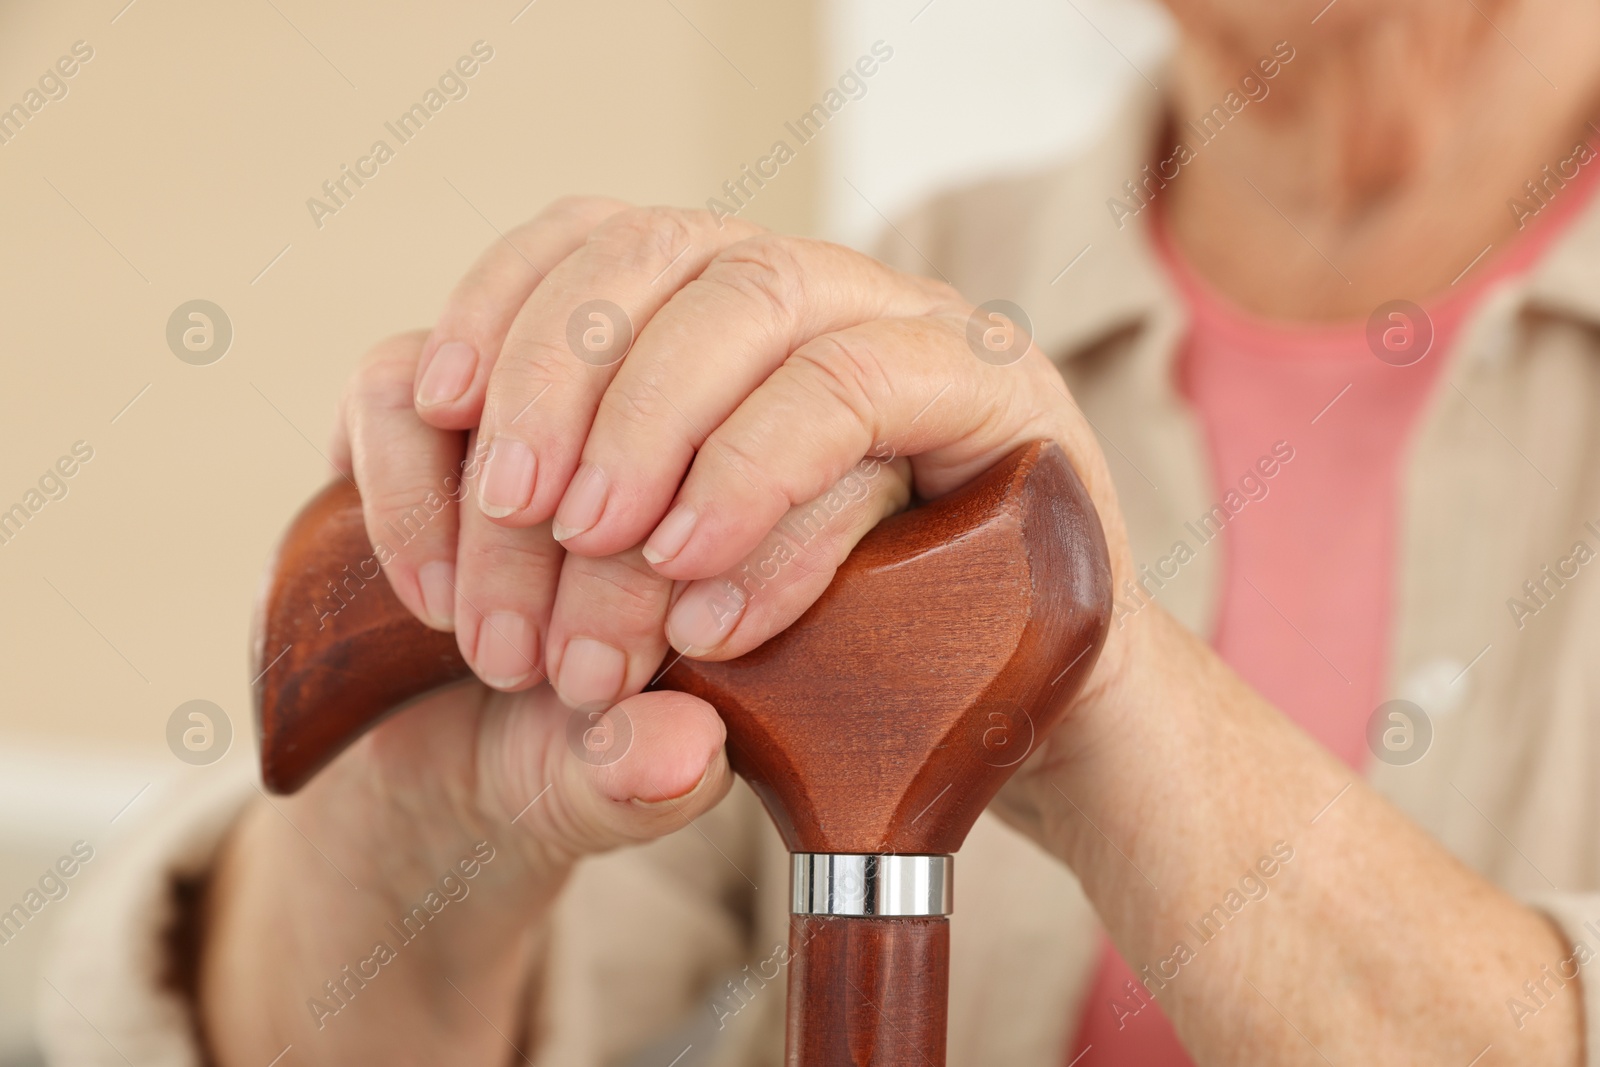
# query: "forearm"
{"type": "Point", "coordinates": [417, 965]}
{"type": "Point", "coordinates": [1349, 935]}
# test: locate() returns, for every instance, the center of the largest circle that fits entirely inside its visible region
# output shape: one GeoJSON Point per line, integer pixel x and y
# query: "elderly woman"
{"type": "Point", "coordinates": [1317, 329]}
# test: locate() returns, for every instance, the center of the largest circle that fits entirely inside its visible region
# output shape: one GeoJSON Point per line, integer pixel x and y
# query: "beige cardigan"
{"type": "Point", "coordinates": [1501, 481]}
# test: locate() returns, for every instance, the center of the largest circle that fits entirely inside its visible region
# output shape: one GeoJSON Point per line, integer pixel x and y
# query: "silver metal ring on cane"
{"type": "Point", "coordinates": [864, 885]}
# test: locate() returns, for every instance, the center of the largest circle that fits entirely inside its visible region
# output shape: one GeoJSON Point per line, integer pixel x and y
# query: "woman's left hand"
{"type": "Point", "coordinates": [762, 371]}
{"type": "Point", "coordinates": [677, 386]}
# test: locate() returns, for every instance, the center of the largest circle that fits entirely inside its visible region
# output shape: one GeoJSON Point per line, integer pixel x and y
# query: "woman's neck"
{"type": "Point", "coordinates": [1382, 162]}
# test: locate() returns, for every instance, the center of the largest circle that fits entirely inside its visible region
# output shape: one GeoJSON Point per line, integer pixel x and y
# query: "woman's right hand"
{"type": "Point", "coordinates": [307, 884]}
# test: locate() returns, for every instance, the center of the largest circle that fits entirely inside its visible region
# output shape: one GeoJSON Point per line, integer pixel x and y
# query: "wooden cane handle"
{"type": "Point", "coordinates": [335, 650]}
{"type": "Point", "coordinates": [948, 645]}
{"type": "Point", "coordinates": [881, 722]}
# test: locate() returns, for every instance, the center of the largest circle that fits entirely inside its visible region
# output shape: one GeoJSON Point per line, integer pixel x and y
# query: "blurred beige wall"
{"type": "Point", "coordinates": [176, 167]}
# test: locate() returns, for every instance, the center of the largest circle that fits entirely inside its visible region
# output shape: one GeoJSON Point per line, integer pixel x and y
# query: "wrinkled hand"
{"type": "Point", "coordinates": [631, 431]}
{"type": "Point", "coordinates": [674, 430]}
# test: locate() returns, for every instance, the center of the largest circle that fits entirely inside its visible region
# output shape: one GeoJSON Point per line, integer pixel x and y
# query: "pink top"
{"type": "Point", "coordinates": [1307, 431]}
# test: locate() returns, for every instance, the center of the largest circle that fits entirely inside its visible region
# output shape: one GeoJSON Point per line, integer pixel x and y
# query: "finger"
{"type": "Point", "coordinates": [701, 355]}
{"type": "Point", "coordinates": [506, 584]}
{"type": "Point", "coordinates": [606, 631]}
{"type": "Point", "coordinates": [339, 457]}
{"type": "Point", "coordinates": [911, 386]}
{"type": "Point", "coordinates": [408, 475]}
{"type": "Point", "coordinates": [727, 616]}
{"type": "Point", "coordinates": [638, 771]}
{"type": "Point", "coordinates": [563, 349]}
{"type": "Point", "coordinates": [461, 351]}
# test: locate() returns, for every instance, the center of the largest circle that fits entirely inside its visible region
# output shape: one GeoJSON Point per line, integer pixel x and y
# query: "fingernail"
{"type": "Point", "coordinates": [580, 508]}
{"type": "Point", "coordinates": [704, 615]}
{"type": "Point", "coordinates": [661, 802]}
{"type": "Point", "coordinates": [448, 374]}
{"type": "Point", "coordinates": [439, 592]}
{"type": "Point", "coordinates": [507, 484]}
{"type": "Point", "coordinates": [505, 650]}
{"type": "Point", "coordinates": [591, 673]}
{"type": "Point", "coordinates": [671, 535]}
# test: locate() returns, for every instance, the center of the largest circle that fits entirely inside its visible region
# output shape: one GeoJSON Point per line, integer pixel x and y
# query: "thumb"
{"type": "Point", "coordinates": [633, 772]}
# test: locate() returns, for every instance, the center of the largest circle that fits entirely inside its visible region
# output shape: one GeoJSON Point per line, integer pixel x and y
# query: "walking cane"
{"type": "Point", "coordinates": [875, 729]}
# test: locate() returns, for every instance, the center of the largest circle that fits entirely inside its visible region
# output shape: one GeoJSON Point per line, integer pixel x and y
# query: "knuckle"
{"type": "Point", "coordinates": [402, 504]}
{"type": "Point", "coordinates": [630, 600]}
{"type": "Point", "coordinates": [746, 467]}
{"type": "Point", "coordinates": [529, 364]}
{"type": "Point", "coordinates": [565, 213]}
{"type": "Point", "coordinates": [369, 393]}
{"type": "Point", "coordinates": [844, 370]}
{"type": "Point", "coordinates": [629, 404]}
{"type": "Point", "coordinates": [570, 214]}
{"type": "Point", "coordinates": [385, 375]}
{"type": "Point", "coordinates": [502, 561]}
{"type": "Point", "coordinates": [643, 238]}
{"type": "Point", "coordinates": [765, 270]}
{"type": "Point", "coordinates": [815, 556]}
{"type": "Point", "coordinates": [527, 350]}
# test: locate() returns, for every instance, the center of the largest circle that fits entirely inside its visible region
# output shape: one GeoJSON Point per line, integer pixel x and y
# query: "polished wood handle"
{"type": "Point", "coordinates": [881, 722]}
{"type": "Point", "coordinates": [335, 650]}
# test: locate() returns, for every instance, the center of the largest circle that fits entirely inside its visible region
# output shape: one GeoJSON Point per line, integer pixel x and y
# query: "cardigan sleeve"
{"type": "Point", "coordinates": [1577, 916]}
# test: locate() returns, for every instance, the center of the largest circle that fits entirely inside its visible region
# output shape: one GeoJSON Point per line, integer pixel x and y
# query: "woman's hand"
{"type": "Point", "coordinates": [638, 398]}
{"type": "Point", "coordinates": [620, 408]}
{"type": "Point", "coordinates": [626, 486]}
{"type": "Point", "coordinates": [654, 396]}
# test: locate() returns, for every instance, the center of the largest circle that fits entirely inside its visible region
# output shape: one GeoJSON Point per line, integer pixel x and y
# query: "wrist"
{"type": "Point", "coordinates": [293, 952]}
{"type": "Point", "coordinates": [414, 853]}
{"type": "Point", "coordinates": [1172, 746]}
{"type": "Point", "coordinates": [334, 917]}
{"type": "Point", "coordinates": [1128, 688]}
{"type": "Point", "coordinates": [1129, 740]}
